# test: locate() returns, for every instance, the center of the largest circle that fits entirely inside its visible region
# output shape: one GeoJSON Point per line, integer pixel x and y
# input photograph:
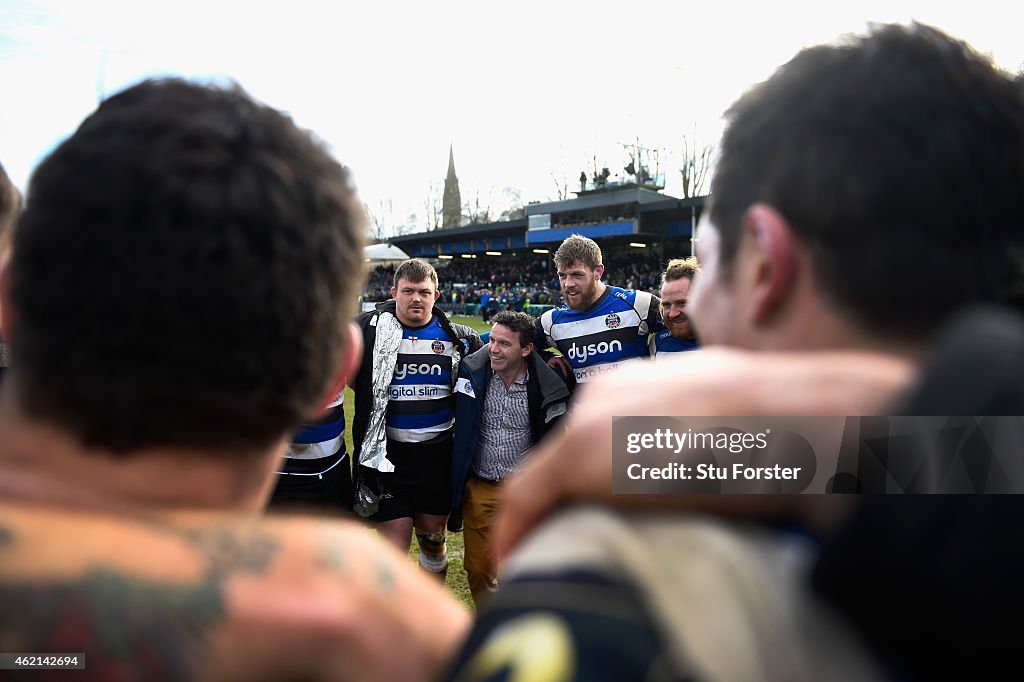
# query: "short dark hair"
{"type": "Point", "coordinates": [183, 272]}
{"type": "Point", "coordinates": [578, 249]}
{"type": "Point", "coordinates": [890, 156]}
{"type": "Point", "coordinates": [518, 322]}
{"type": "Point", "coordinates": [416, 270]}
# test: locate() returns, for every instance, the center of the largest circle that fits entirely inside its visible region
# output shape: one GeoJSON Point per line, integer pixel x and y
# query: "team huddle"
{"type": "Point", "coordinates": [176, 312]}
{"type": "Point", "coordinates": [416, 461]}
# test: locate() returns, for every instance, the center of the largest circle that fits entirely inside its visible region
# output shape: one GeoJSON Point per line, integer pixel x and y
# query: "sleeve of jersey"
{"type": "Point", "coordinates": [540, 339]}
{"type": "Point", "coordinates": [469, 336]}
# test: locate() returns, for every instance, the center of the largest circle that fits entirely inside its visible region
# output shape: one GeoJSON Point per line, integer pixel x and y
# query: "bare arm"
{"type": "Point", "coordinates": [576, 464]}
{"type": "Point", "coordinates": [202, 598]}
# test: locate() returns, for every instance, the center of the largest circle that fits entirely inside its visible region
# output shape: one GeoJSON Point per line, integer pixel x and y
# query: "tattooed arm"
{"type": "Point", "coordinates": [210, 598]}
{"type": "Point", "coordinates": [361, 610]}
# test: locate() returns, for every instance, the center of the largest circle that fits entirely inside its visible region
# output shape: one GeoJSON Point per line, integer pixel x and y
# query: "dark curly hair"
{"type": "Point", "coordinates": [183, 272]}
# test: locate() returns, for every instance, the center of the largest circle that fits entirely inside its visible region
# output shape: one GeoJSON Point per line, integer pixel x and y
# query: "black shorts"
{"type": "Point", "coordinates": [420, 484]}
{"type": "Point", "coordinates": [324, 483]}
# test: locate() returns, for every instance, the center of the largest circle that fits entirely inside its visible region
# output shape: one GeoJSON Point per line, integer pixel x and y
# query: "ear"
{"type": "Point", "coordinates": [527, 349]}
{"type": "Point", "coordinates": [347, 369]}
{"type": "Point", "coordinates": [394, 292]}
{"type": "Point", "coordinates": [437, 294]}
{"type": "Point", "coordinates": [599, 270]}
{"type": "Point", "coordinates": [774, 264]}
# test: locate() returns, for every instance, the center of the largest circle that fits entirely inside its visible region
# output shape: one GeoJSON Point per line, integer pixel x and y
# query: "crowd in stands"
{"type": "Point", "coordinates": [515, 284]}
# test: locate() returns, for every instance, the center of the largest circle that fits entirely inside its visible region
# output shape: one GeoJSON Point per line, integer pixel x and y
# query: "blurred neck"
{"type": "Point", "coordinates": [41, 463]}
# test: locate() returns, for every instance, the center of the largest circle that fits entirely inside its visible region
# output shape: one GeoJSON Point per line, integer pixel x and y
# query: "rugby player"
{"type": "Point", "coordinates": [599, 326]}
{"type": "Point", "coordinates": [405, 414]}
{"type": "Point", "coordinates": [178, 301]}
{"type": "Point", "coordinates": [679, 334]}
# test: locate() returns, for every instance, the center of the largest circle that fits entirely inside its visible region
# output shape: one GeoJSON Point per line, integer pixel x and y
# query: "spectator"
{"type": "Point", "coordinates": [506, 400]}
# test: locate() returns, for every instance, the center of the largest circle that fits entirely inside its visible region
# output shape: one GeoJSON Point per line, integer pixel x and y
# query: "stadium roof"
{"type": "Point", "coordinates": [383, 251]}
{"type": "Point", "coordinates": [652, 216]}
{"type": "Point", "coordinates": [452, 233]}
{"type": "Point", "coordinates": [632, 195]}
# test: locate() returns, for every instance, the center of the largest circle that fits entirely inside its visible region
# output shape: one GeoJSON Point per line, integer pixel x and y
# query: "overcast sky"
{"type": "Point", "coordinates": [525, 92]}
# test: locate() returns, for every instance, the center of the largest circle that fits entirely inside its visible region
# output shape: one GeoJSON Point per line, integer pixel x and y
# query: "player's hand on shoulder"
{"type": "Point", "coordinates": [560, 364]}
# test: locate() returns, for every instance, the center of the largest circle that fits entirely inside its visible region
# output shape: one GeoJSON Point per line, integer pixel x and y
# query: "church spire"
{"type": "Point", "coordinates": [451, 205]}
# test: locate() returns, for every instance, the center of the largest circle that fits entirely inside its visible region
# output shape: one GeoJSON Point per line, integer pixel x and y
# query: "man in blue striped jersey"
{"type": "Point", "coordinates": [316, 473]}
{"type": "Point", "coordinates": [599, 326]}
{"type": "Point", "coordinates": [405, 413]}
{"type": "Point", "coordinates": [679, 334]}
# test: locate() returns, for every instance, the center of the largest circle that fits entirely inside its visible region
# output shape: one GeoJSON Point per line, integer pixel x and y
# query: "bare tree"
{"type": "Point", "coordinates": [406, 227]}
{"type": "Point", "coordinates": [514, 204]}
{"type": "Point", "coordinates": [478, 211]}
{"type": "Point", "coordinates": [380, 220]}
{"type": "Point", "coordinates": [561, 184]}
{"type": "Point", "coordinates": [565, 182]}
{"type": "Point", "coordinates": [433, 206]}
{"type": "Point", "coordinates": [695, 165]}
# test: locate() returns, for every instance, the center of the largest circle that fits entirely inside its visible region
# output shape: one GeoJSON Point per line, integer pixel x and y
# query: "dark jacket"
{"type": "Point", "coordinates": [546, 392]}
{"type": "Point", "coordinates": [462, 335]}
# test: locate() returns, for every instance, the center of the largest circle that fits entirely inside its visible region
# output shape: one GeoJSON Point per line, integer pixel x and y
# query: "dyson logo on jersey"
{"type": "Point", "coordinates": [402, 371]}
{"type": "Point", "coordinates": [585, 351]}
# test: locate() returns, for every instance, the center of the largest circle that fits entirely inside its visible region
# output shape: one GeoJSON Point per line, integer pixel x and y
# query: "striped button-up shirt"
{"type": "Point", "coordinates": [504, 429]}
